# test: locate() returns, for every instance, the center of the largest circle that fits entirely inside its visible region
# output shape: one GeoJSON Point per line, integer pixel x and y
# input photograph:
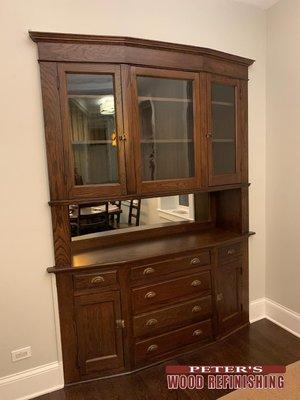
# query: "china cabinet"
{"type": "Point", "coordinates": [155, 132]}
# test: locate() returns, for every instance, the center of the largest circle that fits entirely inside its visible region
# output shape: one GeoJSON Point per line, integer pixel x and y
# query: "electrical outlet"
{"type": "Point", "coordinates": [20, 354]}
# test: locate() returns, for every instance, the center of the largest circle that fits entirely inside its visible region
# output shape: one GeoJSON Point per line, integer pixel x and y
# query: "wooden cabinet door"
{"type": "Point", "coordinates": [228, 296]}
{"type": "Point", "coordinates": [166, 129]}
{"type": "Point", "coordinates": [92, 121]}
{"type": "Point", "coordinates": [100, 343]}
{"type": "Point", "coordinates": [224, 130]}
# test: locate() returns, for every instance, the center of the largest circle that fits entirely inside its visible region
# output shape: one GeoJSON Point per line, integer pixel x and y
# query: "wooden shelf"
{"type": "Point", "coordinates": [222, 103]}
{"type": "Point", "coordinates": [167, 99]}
{"type": "Point", "coordinates": [167, 141]}
{"type": "Point", "coordinates": [223, 141]}
{"type": "Point", "coordinates": [92, 142]}
{"type": "Point", "coordinates": [150, 248]}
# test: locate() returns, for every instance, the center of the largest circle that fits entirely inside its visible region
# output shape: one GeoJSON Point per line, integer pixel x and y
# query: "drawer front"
{"type": "Point", "coordinates": [147, 296]}
{"type": "Point", "coordinates": [147, 272]}
{"type": "Point", "coordinates": [159, 345]}
{"type": "Point", "coordinates": [95, 280]}
{"type": "Point", "coordinates": [229, 252]}
{"type": "Point", "coordinates": [189, 311]}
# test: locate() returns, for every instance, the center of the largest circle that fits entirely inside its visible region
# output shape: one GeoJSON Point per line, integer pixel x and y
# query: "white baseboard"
{"type": "Point", "coordinates": [280, 315]}
{"type": "Point", "coordinates": [257, 310]}
{"type": "Point", "coordinates": [32, 382]}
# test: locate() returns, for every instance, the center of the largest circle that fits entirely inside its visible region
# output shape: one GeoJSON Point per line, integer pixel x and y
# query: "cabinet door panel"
{"type": "Point", "coordinates": [224, 131]}
{"type": "Point", "coordinates": [167, 129]}
{"type": "Point", "coordinates": [229, 295]}
{"type": "Point", "coordinates": [92, 124]}
{"type": "Point", "coordinates": [99, 338]}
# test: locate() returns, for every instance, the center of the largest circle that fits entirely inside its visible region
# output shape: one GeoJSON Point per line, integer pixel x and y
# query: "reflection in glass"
{"type": "Point", "coordinates": [166, 128]}
{"type": "Point", "coordinates": [107, 216]}
{"type": "Point", "coordinates": [223, 129]}
{"type": "Point", "coordinates": [93, 128]}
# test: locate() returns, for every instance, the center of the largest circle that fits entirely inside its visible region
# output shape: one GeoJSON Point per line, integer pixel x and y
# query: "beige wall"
{"type": "Point", "coordinates": [283, 157]}
{"type": "Point", "coordinates": [27, 312]}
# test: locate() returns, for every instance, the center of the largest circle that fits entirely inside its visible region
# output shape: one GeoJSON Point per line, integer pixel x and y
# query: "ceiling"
{"type": "Point", "coordinates": [264, 4]}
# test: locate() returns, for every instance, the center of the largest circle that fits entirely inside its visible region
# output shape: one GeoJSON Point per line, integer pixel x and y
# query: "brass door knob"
{"type": "Point", "coordinates": [148, 271]}
{"type": "Point", "coordinates": [151, 322]}
{"type": "Point", "coordinates": [97, 279]}
{"type": "Point", "coordinates": [196, 282]}
{"type": "Point", "coordinates": [150, 295]}
{"type": "Point", "coordinates": [151, 348]}
{"type": "Point", "coordinates": [196, 309]}
{"type": "Point", "coordinates": [195, 261]}
{"type": "Point", "coordinates": [197, 332]}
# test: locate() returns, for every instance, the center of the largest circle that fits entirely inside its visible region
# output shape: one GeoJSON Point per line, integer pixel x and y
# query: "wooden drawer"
{"type": "Point", "coordinates": [95, 280]}
{"type": "Point", "coordinates": [189, 311]}
{"type": "Point", "coordinates": [229, 252]}
{"type": "Point", "coordinates": [147, 272]}
{"type": "Point", "coordinates": [147, 296]}
{"type": "Point", "coordinates": [159, 345]}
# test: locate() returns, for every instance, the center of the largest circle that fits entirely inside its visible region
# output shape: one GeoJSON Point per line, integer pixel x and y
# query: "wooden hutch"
{"type": "Point", "coordinates": [172, 120]}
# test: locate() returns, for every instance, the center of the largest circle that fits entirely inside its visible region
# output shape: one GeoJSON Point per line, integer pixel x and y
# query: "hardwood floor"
{"type": "Point", "coordinates": [261, 343]}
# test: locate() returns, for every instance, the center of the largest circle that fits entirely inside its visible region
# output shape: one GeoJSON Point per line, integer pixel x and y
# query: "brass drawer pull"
{"type": "Point", "coordinates": [151, 348]}
{"type": "Point", "coordinates": [97, 279]}
{"type": "Point", "coordinates": [151, 322]}
{"type": "Point", "coordinates": [196, 282]}
{"type": "Point", "coordinates": [197, 332]}
{"type": "Point", "coordinates": [150, 295]}
{"type": "Point", "coordinates": [230, 251]}
{"type": "Point", "coordinates": [195, 260]}
{"type": "Point", "coordinates": [196, 308]}
{"type": "Point", "coordinates": [148, 271]}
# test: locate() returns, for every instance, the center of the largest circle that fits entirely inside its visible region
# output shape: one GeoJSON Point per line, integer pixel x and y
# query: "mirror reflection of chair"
{"type": "Point", "coordinates": [134, 212]}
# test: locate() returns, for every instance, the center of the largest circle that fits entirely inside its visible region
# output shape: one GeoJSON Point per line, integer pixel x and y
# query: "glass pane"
{"type": "Point", "coordinates": [93, 128]}
{"type": "Point", "coordinates": [223, 129]}
{"type": "Point", "coordinates": [90, 220]}
{"type": "Point", "coordinates": [166, 124]}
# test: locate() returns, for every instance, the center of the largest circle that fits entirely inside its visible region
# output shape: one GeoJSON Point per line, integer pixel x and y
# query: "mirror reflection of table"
{"type": "Point", "coordinates": [90, 211]}
{"type": "Point", "coordinates": [85, 219]}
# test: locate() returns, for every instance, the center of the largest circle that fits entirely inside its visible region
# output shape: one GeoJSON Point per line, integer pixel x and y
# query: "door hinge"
{"type": "Point", "coordinates": [57, 82]}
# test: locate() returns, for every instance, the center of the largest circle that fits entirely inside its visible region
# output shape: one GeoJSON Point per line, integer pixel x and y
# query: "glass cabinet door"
{"type": "Point", "coordinates": [92, 124]}
{"type": "Point", "coordinates": [167, 130]}
{"type": "Point", "coordinates": [223, 131]}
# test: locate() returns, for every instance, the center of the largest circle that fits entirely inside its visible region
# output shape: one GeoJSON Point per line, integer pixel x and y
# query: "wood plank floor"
{"type": "Point", "coordinates": [261, 343]}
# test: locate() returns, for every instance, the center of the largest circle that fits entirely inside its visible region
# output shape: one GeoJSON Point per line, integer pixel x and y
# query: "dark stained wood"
{"type": "Point", "coordinates": [237, 176]}
{"type": "Point", "coordinates": [52, 37]}
{"type": "Point", "coordinates": [261, 343]}
{"type": "Point", "coordinates": [150, 271]}
{"type": "Point", "coordinates": [228, 208]}
{"type": "Point", "coordinates": [61, 236]}
{"type": "Point", "coordinates": [85, 191]}
{"type": "Point", "coordinates": [156, 249]}
{"type": "Point", "coordinates": [105, 294]}
{"type": "Point", "coordinates": [173, 316]}
{"type": "Point", "coordinates": [95, 280]}
{"type": "Point", "coordinates": [95, 200]}
{"type": "Point", "coordinates": [53, 134]}
{"type": "Point", "coordinates": [99, 332]}
{"type": "Point", "coordinates": [152, 296]}
{"type": "Point", "coordinates": [161, 186]}
{"type": "Point", "coordinates": [228, 296]}
{"type": "Point", "coordinates": [151, 349]}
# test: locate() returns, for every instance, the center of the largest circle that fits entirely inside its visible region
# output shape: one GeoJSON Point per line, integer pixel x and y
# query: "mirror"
{"type": "Point", "coordinates": [92, 219]}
